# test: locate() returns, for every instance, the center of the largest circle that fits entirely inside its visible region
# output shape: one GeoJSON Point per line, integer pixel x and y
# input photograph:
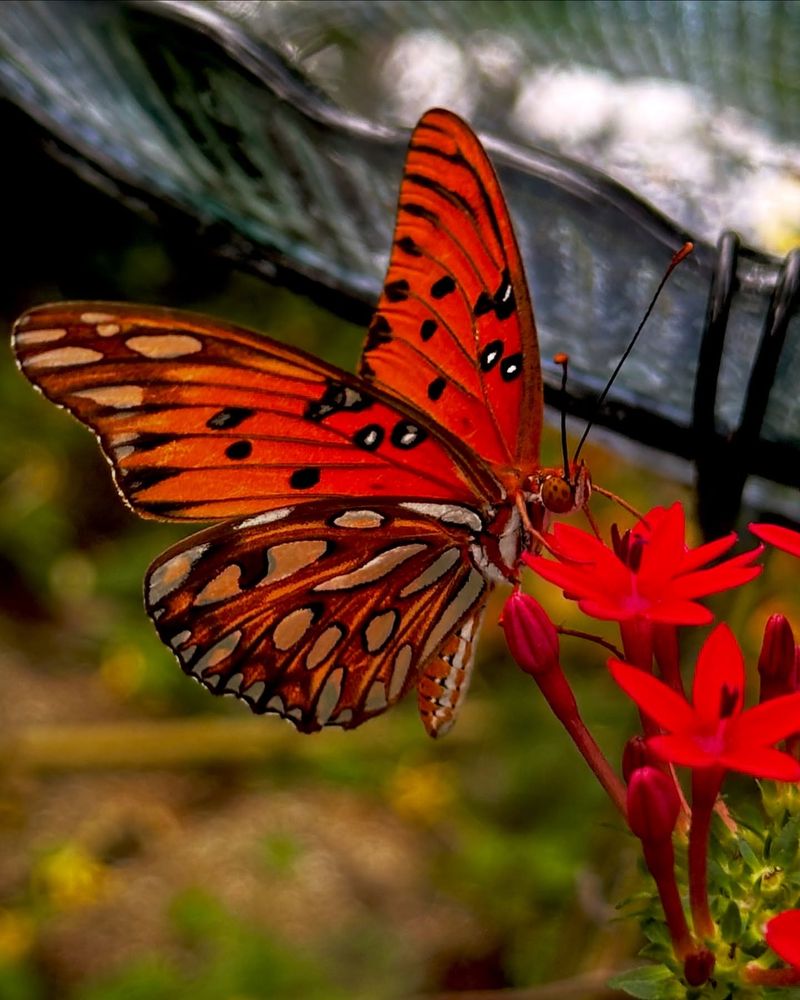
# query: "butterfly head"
{"type": "Point", "coordinates": [561, 495]}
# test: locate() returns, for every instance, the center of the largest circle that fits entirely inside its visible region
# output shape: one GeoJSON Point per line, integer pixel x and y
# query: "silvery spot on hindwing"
{"type": "Point", "coordinates": [323, 615]}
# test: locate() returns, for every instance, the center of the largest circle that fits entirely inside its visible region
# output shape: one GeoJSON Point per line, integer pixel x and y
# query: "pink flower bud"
{"type": "Point", "coordinates": [653, 805]}
{"type": "Point", "coordinates": [776, 662]}
{"type": "Point", "coordinates": [531, 636]}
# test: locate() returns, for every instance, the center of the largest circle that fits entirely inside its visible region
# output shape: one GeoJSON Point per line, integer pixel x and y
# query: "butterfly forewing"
{"type": "Point", "coordinates": [324, 613]}
{"type": "Point", "coordinates": [203, 421]}
{"type": "Point", "coordinates": [454, 330]}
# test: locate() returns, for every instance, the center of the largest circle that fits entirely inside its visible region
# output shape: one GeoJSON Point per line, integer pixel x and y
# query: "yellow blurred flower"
{"type": "Point", "coordinates": [16, 936]}
{"type": "Point", "coordinates": [422, 793]}
{"type": "Point", "coordinates": [71, 878]}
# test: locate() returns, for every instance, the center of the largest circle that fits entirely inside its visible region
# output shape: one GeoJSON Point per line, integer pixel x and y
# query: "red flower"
{"type": "Point", "coordinates": [714, 731]}
{"type": "Point", "coordinates": [781, 538]}
{"type": "Point", "coordinates": [650, 573]}
{"type": "Point", "coordinates": [782, 934]}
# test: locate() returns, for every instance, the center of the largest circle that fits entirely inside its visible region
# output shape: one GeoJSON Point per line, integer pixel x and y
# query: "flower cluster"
{"type": "Point", "coordinates": [651, 582]}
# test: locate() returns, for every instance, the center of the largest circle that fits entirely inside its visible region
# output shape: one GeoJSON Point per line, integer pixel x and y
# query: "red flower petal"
{"type": "Point", "coordinates": [781, 538]}
{"type": "Point", "coordinates": [762, 762]}
{"type": "Point", "coordinates": [680, 613]}
{"type": "Point", "coordinates": [782, 934]}
{"type": "Point", "coordinates": [705, 553]}
{"type": "Point", "coordinates": [768, 722]}
{"type": "Point", "coordinates": [678, 748]}
{"type": "Point", "coordinates": [719, 679]}
{"type": "Point", "coordinates": [661, 703]}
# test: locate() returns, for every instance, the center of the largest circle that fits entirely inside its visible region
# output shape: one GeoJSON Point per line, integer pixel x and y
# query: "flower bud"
{"type": "Point", "coordinates": [653, 805]}
{"type": "Point", "coordinates": [698, 966]}
{"type": "Point", "coordinates": [635, 755]}
{"type": "Point", "coordinates": [776, 661]}
{"type": "Point", "coordinates": [530, 635]}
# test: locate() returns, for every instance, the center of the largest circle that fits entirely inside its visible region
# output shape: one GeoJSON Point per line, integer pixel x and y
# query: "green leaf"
{"type": "Point", "coordinates": [730, 924]}
{"type": "Point", "coordinates": [748, 854]}
{"type": "Point", "coordinates": [648, 982]}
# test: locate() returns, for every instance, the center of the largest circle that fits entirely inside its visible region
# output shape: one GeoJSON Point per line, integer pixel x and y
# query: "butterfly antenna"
{"type": "Point", "coordinates": [677, 257]}
{"type": "Point", "coordinates": [563, 360]}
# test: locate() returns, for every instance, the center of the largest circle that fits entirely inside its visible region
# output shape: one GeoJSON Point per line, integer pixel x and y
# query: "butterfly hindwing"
{"type": "Point", "coordinates": [454, 330]}
{"type": "Point", "coordinates": [203, 421]}
{"type": "Point", "coordinates": [325, 613]}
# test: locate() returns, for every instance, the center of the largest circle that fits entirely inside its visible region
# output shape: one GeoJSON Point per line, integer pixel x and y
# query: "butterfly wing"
{"type": "Point", "coordinates": [325, 613]}
{"type": "Point", "coordinates": [454, 330]}
{"type": "Point", "coordinates": [202, 421]}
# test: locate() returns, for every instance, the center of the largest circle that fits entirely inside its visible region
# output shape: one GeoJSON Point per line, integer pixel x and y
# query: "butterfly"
{"type": "Point", "coordinates": [361, 520]}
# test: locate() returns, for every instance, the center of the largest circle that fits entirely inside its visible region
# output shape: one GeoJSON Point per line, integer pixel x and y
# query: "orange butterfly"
{"type": "Point", "coordinates": [363, 518]}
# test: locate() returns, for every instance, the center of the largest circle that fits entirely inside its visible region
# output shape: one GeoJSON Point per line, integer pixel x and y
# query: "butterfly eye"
{"type": "Point", "coordinates": [558, 495]}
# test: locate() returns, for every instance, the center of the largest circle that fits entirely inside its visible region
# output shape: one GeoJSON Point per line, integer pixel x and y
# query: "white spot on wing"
{"type": "Point", "coordinates": [449, 513]}
{"type": "Point", "coordinates": [465, 598]}
{"type": "Point", "coordinates": [94, 317]}
{"type": "Point", "coordinates": [234, 682]}
{"type": "Point", "coordinates": [254, 692]}
{"type": "Point", "coordinates": [180, 638]}
{"type": "Point", "coordinates": [434, 572]}
{"type": "Point", "coordinates": [121, 397]}
{"type": "Point", "coordinates": [167, 345]}
{"type": "Point", "coordinates": [266, 518]}
{"type": "Point", "coordinates": [324, 646]}
{"type": "Point", "coordinates": [379, 630]}
{"type": "Point", "coordinates": [402, 664]}
{"type": "Point", "coordinates": [61, 357]}
{"type": "Point", "coordinates": [43, 336]}
{"type": "Point", "coordinates": [289, 558]}
{"type": "Point", "coordinates": [376, 697]}
{"type": "Point", "coordinates": [291, 629]}
{"type": "Point", "coordinates": [108, 329]}
{"type": "Point", "coordinates": [359, 519]}
{"type": "Point", "coordinates": [219, 652]}
{"type": "Point", "coordinates": [225, 584]}
{"type": "Point", "coordinates": [374, 569]}
{"type": "Point", "coordinates": [329, 696]}
{"type": "Point", "coordinates": [172, 573]}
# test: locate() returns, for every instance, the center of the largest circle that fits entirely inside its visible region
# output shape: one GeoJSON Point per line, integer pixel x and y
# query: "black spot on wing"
{"type": "Point", "coordinates": [228, 418]}
{"type": "Point", "coordinates": [436, 388]}
{"type": "Point", "coordinates": [410, 246]}
{"type": "Point", "coordinates": [406, 434]}
{"type": "Point", "coordinates": [380, 332]}
{"type": "Point", "coordinates": [138, 480]}
{"type": "Point", "coordinates": [490, 355]}
{"type": "Point", "coordinates": [239, 450]}
{"type": "Point", "coordinates": [305, 478]}
{"type": "Point", "coordinates": [397, 291]}
{"type": "Point", "coordinates": [444, 286]}
{"type": "Point", "coordinates": [370, 437]}
{"type": "Point", "coordinates": [428, 328]}
{"type": "Point", "coordinates": [511, 367]}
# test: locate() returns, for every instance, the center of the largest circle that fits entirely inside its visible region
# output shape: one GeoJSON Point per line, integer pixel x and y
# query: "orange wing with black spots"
{"type": "Point", "coordinates": [203, 421]}
{"type": "Point", "coordinates": [326, 614]}
{"type": "Point", "coordinates": [454, 330]}
{"type": "Point", "coordinates": [364, 516]}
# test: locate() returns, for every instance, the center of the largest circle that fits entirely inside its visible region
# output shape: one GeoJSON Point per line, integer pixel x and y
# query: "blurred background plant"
{"type": "Point", "coordinates": [155, 842]}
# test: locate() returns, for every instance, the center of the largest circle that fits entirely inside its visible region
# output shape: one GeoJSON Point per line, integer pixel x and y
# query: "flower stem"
{"type": "Point", "coordinates": [705, 786]}
{"type": "Point", "coordinates": [660, 859]}
{"type": "Point", "coordinates": [556, 690]}
{"type": "Point", "coordinates": [771, 977]}
{"type": "Point", "coordinates": [665, 647]}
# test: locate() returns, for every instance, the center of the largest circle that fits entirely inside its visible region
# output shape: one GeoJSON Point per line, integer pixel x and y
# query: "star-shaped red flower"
{"type": "Point", "coordinates": [650, 572]}
{"type": "Point", "coordinates": [714, 730]}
